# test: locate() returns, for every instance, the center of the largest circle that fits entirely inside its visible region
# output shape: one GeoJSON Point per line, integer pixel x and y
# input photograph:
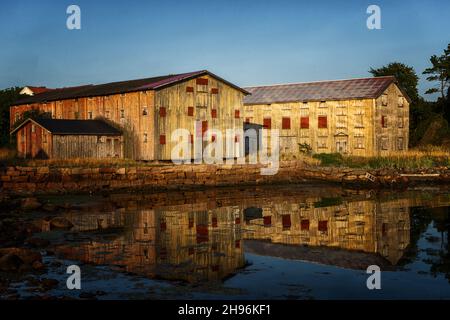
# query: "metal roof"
{"type": "Point", "coordinates": [117, 87]}
{"type": "Point", "coordinates": [74, 127]}
{"type": "Point", "coordinates": [320, 91]}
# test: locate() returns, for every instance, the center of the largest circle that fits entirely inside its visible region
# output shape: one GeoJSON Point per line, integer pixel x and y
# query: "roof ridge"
{"type": "Point", "coordinates": [318, 81]}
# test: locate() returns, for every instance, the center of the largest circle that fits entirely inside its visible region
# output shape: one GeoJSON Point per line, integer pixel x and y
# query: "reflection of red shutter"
{"type": "Point", "coordinates": [383, 121]}
{"type": "Point", "coordinates": [191, 223]}
{"type": "Point", "coordinates": [214, 222]}
{"type": "Point", "coordinates": [204, 127]}
{"type": "Point", "coordinates": [162, 139]}
{"type": "Point", "coordinates": [190, 111]}
{"type": "Point", "coordinates": [323, 226]}
{"type": "Point", "coordinates": [304, 122]}
{"type": "Point", "coordinates": [162, 111]}
{"type": "Point", "coordinates": [191, 140]}
{"type": "Point", "coordinates": [237, 221]}
{"type": "Point", "coordinates": [214, 91]}
{"type": "Point", "coordinates": [202, 233]}
{"type": "Point", "coordinates": [323, 122]}
{"type": "Point", "coordinates": [237, 244]}
{"type": "Point", "coordinates": [214, 113]}
{"type": "Point", "coordinates": [201, 81]}
{"type": "Point", "coordinates": [163, 226]}
{"type": "Point", "coordinates": [215, 268]}
{"type": "Point", "coordinates": [267, 221]}
{"type": "Point", "coordinates": [236, 114]}
{"type": "Point", "coordinates": [286, 219]}
{"type": "Point", "coordinates": [286, 123]}
{"type": "Point", "coordinates": [189, 89]}
{"type": "Point", "coordinates": [191, 251]}
{"type": "Point", "coordinates": [267, 123]}
{"type": "Point", "coordinates": [304, 225]}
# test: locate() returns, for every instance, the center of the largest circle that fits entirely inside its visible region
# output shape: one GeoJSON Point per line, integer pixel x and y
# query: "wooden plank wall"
{"type": "Point", "coordinates": [86, 146]}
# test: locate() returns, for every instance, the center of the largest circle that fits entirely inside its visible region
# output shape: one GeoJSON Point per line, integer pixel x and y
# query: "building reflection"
{"type": "Point", "coordinates": [202, 241]}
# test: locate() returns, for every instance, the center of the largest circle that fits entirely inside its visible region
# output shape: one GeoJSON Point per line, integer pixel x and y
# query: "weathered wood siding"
{"type": "Point", "coordinates": [87, 146]}
{"type": "Point", "coordinates": [352, 126]}
{"type": "Point", "coordinates": [204, 99]}
{"type": "Point", "coordinates": [34, 142]}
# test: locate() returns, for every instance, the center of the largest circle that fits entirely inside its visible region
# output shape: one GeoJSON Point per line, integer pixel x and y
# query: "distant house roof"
{"type": "Point", "coordinates": [74, 127]}
{"type": "Point", "coordinates": [117, 87]}
{"type": "Point", "coordinates": [29, 90]}
{"type": "Point", "coordinates": [320, 91]}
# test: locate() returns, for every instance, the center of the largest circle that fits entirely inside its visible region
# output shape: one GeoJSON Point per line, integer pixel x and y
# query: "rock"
{"type": "Point", "coordinates": [30, 204]}
{"type": "Point", "coordinates": [60, 223]}
{"type": "Point", "coordinates": [49, 283]}
{"type": "Point", "coordinates": [38, 242]}
{"type": "Point", "coordinates": [49, 207]}
{"type": "Point", "coordinates": [38, 266]}
{"type": "Point", "coordinates": [10, 262]}
{"type": "Point", "coordinates": [26, 255]}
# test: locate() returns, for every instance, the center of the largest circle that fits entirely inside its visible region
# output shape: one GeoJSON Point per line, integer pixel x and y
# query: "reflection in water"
{"type": "Point", "coordinates": [203, 236]}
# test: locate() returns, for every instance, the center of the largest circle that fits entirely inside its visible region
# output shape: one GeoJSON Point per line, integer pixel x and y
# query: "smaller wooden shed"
{"type": "Point", "coordinates": [68, 139]}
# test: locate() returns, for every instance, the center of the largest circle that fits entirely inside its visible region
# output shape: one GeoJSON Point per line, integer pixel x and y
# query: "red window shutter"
{"type": "Point", "coordinates": [237, 221]}
{"type": "Point", "coordinates": [286, 123]}
{"type": "Point", "coordinates": [213, 138]}
{"type": "Point", "coordinates": [214, 91]}
{"type": "Point", "coordinates": [191, 140]}
{"type": "Point", "coordinates": [162, 111]}
{"type": "Point", "coordinates": [190, 111]}
{"type": "Point", "coordinates": [247, 120]}
{"type": "Point", "coordinates": [214, 222]}
{"type": "Point", "coordinates": [286, 219]}
{"type": "Point", "coordinates": [162, 139]}
{"type": "Point", "coordinates": [214, 113]}
{"type": "Point", "coordinates": [236, 114]}
{"type": "Point", "coordinates": [323, 122]}
{"type": "Point", "coordinates": [323, 226]}
{"type": "Point", "coordinates": [383, 121]}
{"type": "Point", "coordinates": [236, 139]}
{"type": "Point", "coordinates": [201, 81]}
{"type": "Point", "coordinates": [304, 225]}
{"type": "Point", "coordinates": [189, 89]}
{"type": "Point", "coordinates": [267, 123]}
{"type": "Point", "coordinates": [267, 221]}
{"type": "Point", "coordinates": [304, 122]}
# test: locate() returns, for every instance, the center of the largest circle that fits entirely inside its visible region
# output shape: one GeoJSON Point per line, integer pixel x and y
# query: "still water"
{"type": "Point", "coordinates": [278, 242]}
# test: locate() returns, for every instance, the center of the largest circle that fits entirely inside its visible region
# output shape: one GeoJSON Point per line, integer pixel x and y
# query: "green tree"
{"type": "Point", "coordinates": [406, 77]}
{"type": "Point", "coordinates": [440, 72]}
{"type": "Point", "coordinates": [7, 97]}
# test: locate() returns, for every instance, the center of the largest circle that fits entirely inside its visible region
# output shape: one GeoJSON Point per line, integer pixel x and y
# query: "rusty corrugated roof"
{"type": "Point", "coordinates": [319, 91]}
{"type": "Point", "coordinates": [117, 87]}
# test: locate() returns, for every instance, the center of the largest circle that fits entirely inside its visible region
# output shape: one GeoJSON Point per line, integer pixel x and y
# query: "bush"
{"type": "Point", "coordinates": [329, 159]}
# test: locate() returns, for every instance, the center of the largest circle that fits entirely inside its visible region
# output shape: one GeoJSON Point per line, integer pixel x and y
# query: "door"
{"type": "Point", "coordinates": [341, 146]}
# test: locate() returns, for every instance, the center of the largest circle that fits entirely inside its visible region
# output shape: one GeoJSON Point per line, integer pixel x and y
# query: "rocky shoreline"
{"type": "Point", "coordinates": [19, 180]}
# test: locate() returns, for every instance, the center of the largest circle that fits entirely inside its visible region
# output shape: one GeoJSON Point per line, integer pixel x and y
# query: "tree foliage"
{"type": "Point", "coordinates": [7, 97]}
{"type": "Point", "coordinates": [439, 72]}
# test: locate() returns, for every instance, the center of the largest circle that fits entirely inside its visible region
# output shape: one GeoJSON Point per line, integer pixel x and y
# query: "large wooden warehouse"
{"type": "Point", "coordinates": [362, 117]}
{"type": "Point", "coordinates": [146, 111]}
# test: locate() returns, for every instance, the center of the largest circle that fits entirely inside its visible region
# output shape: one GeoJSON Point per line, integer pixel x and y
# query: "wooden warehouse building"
{"type": "Point", "coordinates": [362, 117]}
{"type": "Point", "coordinates": [147, 111]}
{"type": "Point", "coordinates": [54, 138]}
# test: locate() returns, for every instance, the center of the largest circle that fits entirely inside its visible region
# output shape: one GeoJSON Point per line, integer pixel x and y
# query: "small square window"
{"type": "Point", "coordinates": [122, 114]}
{"type": "Point", "coordinates": [144, 111]}
{"type": "Point", "coordinates": [162, 112]}
{"type": "Point", "coordinates": [90, 115]}
{"type": "Point", "coordinates": [145, 138]}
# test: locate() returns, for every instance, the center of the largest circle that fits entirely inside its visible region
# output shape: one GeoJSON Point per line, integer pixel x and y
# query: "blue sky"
{"type": "Point", "coordinates": [246, 42]}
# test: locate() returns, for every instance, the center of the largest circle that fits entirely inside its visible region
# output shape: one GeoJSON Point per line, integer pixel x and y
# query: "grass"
{"type": "Point", "coordinates": [423, 158]}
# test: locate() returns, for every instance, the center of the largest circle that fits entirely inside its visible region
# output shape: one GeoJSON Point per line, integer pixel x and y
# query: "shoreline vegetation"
{"type": "Point", "coordinates": [418, 158]}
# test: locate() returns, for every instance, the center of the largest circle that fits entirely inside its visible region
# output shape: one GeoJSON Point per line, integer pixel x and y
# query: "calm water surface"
{"type": "Point", "coordinates": [279, 242]}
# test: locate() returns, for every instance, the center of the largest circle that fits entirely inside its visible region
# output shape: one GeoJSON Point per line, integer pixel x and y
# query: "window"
{"type": "Point", "coordinates": [384, 122]}
{"type": "Point", "coordinates": [322, 122]}
{"type": "Point", "coordinates": [90, 115]}
{"type": "Point", "coordinates": [400, 143]}
{"type": "Point", "coordinates": [267, 221]}
{"type": "Point", "coordinates": [162, 112]}
{"type": "Point", "coordinates": [144, 111]}
{"type": "Point", "coordinates": [236, 114]}
{"type": "Point", "coordinates": [190, 111]}
{"type": "Point", "coordinates": [145, 138]}
{"type": "Point", "coordinates": [341, 121]}
{"type": "Point", "coordinates": [286, 220]}
{"type": "Point", "coordinates": [384, 142]}
{"type": "Point", "coordinates": [384, 100]}
{"type": "Point", "coordinates": [107, 114]}
{"type": "Point", "coordinates": [322, 104]}
{"type": "Point", "coordinates": [213, 113]}
{"type": "Point", "coordinates": [304, 122]}
{"type": "Point", "coordinates": [33, 128]}
{"type": "Point", "coordinates": [122, 114]}
{"type": "Point", "coordinates": [323, 226]}
{"type": "Point", "coordinates": [400, 101]}
{"type": "Point", "coordinates": [304, 225]}
{"type": "Point", "coordinates": [44, 137]}
{"type": "Point", "coordinates": [400, 122]}
{"type": "Point", "coordinates": [359, 142]}
{"type": "Point", "coordinates": [322, 143]}
{"type": "Point", "coordinates": [267, 123]}
{"type": "Point", "coordinates": [202, 85]}
{"type": "Point", "coordinates": [214, 91]}
{"type": "Point", "coordinates": [189, 89]}
{"type": "Point", "coordinates": [162, 139]}
{"type": "Point", "coordinates": [359, 120]}
{"type": "Point", "coordinates": [286, 123]}
{"type": "Point", "coordinates": [16, 117]}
